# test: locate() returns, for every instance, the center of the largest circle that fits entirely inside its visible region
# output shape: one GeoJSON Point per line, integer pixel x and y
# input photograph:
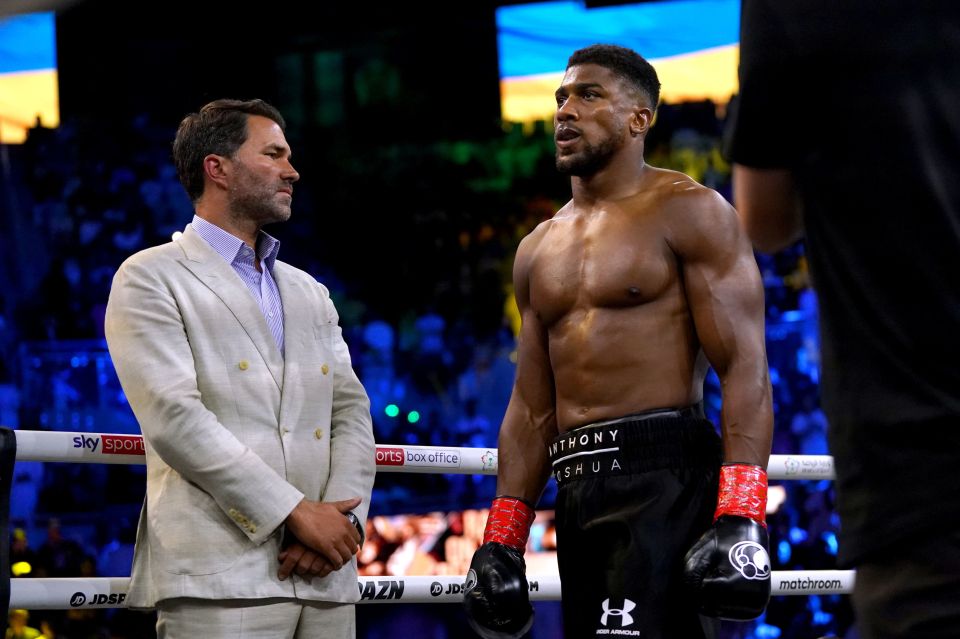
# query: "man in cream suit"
{"type": "Point", "coordinates": [259, 442]}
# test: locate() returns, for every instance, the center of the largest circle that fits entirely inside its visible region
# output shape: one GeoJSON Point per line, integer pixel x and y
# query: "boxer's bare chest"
{"type": "Point", "coordinates": [600, 260]}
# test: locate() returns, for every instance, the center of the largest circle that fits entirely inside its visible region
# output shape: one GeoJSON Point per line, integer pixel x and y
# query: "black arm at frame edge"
{"type": "Point", "coordinates": [8, 454]}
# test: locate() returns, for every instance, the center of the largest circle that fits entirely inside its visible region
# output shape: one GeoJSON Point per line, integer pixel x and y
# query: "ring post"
{"type": "Point", "coordinates": [8, 453]}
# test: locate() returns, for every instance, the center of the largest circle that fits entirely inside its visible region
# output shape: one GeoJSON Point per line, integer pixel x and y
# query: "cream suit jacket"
{"type": "Point", "coordinates": [235, 434]}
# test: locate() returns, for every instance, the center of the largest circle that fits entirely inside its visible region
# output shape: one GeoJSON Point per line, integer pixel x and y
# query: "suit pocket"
{"type": "Point", "coordinates": [194, 536]}
{"type": "Point", "coordinates": [324, 332]}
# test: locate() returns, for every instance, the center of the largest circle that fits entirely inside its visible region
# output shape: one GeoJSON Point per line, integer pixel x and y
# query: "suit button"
{"type": "Point", "coordinates": [324, 369]}
{"type": "Point", "coordinates": [318, 433]}
{"type": "Point", "coordinates": [244, 364]}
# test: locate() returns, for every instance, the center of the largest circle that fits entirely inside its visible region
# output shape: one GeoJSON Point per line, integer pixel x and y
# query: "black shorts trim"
{"type": "Point", "coordinates": [656, 440]}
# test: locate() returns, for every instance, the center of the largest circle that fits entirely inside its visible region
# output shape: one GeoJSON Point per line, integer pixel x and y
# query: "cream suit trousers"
{"type": "Point", "coordinates": [254, 619]}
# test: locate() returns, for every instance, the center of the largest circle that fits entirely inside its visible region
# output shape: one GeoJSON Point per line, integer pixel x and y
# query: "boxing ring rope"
{"type": "Point", "coordinates": [104, 448]}
{"type": "Point", "coordinates": [110, 592]}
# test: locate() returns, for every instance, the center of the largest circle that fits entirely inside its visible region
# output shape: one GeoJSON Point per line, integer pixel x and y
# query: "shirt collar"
{"type": "Point", "coordinates": [229, 245]}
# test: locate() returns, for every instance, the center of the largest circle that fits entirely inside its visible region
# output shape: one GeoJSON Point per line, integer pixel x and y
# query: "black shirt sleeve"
{"type": "Point", "coordinates": [763, 119]}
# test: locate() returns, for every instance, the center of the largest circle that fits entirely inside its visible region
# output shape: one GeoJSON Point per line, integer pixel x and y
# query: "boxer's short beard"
{"type": "Point", "coordinates": [591, 159]}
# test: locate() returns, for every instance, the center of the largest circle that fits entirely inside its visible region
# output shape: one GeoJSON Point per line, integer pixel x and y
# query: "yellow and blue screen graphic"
{"type": "Point", "coordinates": [693, 44]}
{"type": "Point", "coordinates": [28, 75]}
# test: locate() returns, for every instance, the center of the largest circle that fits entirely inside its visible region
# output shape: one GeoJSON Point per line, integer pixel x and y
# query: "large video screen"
{"type": "Point", "coordinates": [28, 75]}
{"type": "Point", "coordinates": [693, 44]}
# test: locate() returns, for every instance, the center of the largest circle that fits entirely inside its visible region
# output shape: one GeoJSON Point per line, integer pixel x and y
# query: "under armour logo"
{"type": "Point", "coordinates": [750, 559]}
{"type": "Point", "coordinates": [624, 613]}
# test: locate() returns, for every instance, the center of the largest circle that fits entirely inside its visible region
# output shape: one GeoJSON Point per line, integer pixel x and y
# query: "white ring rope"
{"type": "Point", "coordinates": [105, 448]}
{"type": "Point", "coordinates": [111, 592]}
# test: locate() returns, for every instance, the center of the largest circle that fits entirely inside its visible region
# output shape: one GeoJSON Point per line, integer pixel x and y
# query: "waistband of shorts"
{"type": "Point", "coordinates": [653, 440]}
{"type": "Point", "coordinates": [692, 411]}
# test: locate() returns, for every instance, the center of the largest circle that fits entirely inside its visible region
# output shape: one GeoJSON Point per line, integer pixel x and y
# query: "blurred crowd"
{"type": "Point", "coordinates": [416, 245]}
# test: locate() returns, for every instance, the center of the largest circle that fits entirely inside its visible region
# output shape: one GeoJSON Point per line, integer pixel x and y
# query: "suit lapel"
{"type": "Point", "coordinates": [217, 275]}
{"type": "Point", "coordinates": [297, 336]}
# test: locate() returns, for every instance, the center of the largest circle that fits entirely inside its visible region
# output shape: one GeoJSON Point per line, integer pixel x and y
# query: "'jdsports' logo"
{"type": "Point", "coordinates": [750, 559]}
{"type": "Point", "coordinates": [452, 589]}
{"type": "Point", "coordinates": [114, 599]}
{"type": "Point", "coordinates": [626, 619]}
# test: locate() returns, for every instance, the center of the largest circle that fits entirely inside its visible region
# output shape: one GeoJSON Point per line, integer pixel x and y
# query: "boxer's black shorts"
{"type": "Point", "coordinates": [634, 495]}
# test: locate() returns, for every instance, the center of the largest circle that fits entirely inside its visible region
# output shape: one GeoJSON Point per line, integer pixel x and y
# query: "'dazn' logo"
{"type": "Point", "coordinates": [381, 589]}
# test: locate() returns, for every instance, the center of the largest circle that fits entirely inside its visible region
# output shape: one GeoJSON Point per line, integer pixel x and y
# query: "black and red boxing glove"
{"type": "Point", "coordinates": [496, 592]}
{"type": "Point", "coordinates": [728, 570]}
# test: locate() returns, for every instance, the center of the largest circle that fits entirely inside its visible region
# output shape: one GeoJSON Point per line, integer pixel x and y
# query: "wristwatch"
{"type": "Point", "coordinates": [356, 522]}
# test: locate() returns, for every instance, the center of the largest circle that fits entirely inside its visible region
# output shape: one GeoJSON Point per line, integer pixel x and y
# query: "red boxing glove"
{"type": "Point", "coordinates": [509, 523]}
{"type": "Point", "coordinates": [743, 492]}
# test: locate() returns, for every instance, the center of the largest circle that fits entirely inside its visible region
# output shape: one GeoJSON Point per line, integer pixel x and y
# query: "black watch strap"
{"type": "Point", "coordinates": [356, 522]}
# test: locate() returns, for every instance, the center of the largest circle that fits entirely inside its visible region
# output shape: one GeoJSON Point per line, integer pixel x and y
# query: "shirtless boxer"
{"type": "Point", "coordinates": [637, 285]}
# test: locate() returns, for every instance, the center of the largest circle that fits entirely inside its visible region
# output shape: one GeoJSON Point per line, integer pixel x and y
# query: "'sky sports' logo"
{"type": "Point", "coordinates": [112, 444]}
{"type": "Point", "coordinates": [389, 456]}
{"type": "Point", "coordinates": [122, 445]}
